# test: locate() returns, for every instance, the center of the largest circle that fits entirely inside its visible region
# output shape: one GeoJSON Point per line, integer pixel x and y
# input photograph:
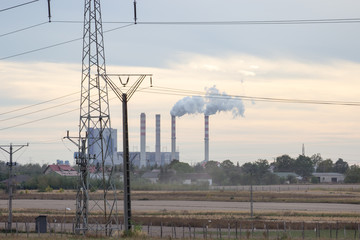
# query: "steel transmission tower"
{"type": "Point", "coordinates": [96, 145]}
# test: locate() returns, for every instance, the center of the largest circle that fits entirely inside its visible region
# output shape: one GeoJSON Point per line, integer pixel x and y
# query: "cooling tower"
{"type": "Point", "coordinates": [206, 138]}
{"type": "Point", "coordinates": [157, 145]}
{"type": "Point", "coordinates": [142, 140]}
{"type": "Point", "coordinates": [173, 137]}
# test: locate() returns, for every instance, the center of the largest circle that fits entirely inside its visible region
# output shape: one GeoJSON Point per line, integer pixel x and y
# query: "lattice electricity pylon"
{"type": "Point", "coordinates": [124, 97]}
{"type": "Point", "coordinates": [95, 212]}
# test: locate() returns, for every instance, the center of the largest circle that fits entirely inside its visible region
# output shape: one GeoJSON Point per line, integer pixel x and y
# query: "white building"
{"type": "Point", "coordinates": [329, 177]}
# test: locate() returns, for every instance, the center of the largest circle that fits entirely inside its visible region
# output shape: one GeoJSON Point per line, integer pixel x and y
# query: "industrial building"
{"type": "Point", "coordinates": [142, 158]}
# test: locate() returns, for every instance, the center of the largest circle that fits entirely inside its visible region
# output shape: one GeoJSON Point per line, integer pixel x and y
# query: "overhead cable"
{"type": "Point", "coordinates": [234, 22]}
{"type": "Point", "coordinates": [40, 103]}
{"type": "Point", "coordinates": [22, 29]}
{"type": "Point", "coordinates": [58, 44]}
{"type": "Point", "coordinates": [183, 92]}
{"type": "Point", "coordinates": [20, 5]}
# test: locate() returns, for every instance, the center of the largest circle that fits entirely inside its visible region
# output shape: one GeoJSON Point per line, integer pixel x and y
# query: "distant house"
{"type": "Point", "coordinates": [152, 176]}
{"type": "Point", "coordinates": [329, 177]}
{"type": "Point", "coordinates": [194, 178]}
{"type": "Point", "coordinates": [62, 170]}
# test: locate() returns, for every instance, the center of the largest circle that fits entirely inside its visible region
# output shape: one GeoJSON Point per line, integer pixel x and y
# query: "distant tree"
{"type": "Point", "coordinates": [227, 164]}
{"type": "Point", "coordinates": [304, 166]}
{"type": "Point", "coordinates": [325, 166]}
{"type": "Point", "coordinates": [181, 167]}
{"type": "Point", "coordinates": [316, 159]}
{"type": "Point", "coordinates": [284, 163]}
{"type": "Point", "coordinates": [341, 166]}
{"type": "Point", "coordinates": [352, 175]}
{"type": "Point", "coordinates": [257, 171]}
{"type": "Point", "coordinates": [211, 164]}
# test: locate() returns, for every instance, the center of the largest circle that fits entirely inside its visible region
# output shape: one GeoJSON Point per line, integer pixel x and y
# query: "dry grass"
{"type": "Point", "coordinates": [311, 196]}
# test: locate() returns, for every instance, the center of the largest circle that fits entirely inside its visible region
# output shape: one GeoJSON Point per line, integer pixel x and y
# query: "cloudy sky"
{"type": "Point", "coordinates": [252, 49]}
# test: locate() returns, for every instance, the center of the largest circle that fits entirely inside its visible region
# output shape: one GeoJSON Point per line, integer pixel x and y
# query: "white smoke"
{"type": "Point", "coordinates": [188, 105]}
{"type": "Point", "coordinates": [221, 102]}
{"type": "Point", "coordinates": [212, 103]}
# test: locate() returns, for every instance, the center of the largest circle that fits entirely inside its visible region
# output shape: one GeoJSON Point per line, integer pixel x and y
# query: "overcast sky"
{"type": "Point", "coordinates": [303, 61]}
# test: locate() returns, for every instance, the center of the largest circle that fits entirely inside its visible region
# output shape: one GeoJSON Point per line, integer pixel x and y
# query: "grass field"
{"type": "Point", "coordinates": [345, 223]}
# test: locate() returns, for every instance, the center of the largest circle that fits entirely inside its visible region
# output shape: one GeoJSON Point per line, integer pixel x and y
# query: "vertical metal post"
{"type": "Point", "coordinates": [127, 200]}
{"type": "Point", "coordinates": [251, 196]}
{"type": "Point", "coordinates": [10, 189]}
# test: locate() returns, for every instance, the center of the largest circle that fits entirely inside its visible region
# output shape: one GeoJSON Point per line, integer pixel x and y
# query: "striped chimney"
{"type": "Point", "coordinates": [206, 138]}
{"type": "Point", "coordinates": [142, 140]}
{"type": "Point", "coordinates": [173, 137]}
{"type": "Point", "coordinates": [157, 144]}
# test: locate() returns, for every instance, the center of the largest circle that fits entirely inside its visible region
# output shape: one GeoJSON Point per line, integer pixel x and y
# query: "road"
{"type": "Point", "coordinates": [190, 206]}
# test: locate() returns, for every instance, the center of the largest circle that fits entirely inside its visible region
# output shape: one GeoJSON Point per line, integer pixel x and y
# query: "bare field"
{"type": "Point", "coordinates": [322, 204]}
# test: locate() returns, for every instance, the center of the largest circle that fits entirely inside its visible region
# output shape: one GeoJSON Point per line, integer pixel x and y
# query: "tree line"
{"type": "Point", "coordinates": [225, 173]}
{"type": "Point", "coordinates": [262, 172]}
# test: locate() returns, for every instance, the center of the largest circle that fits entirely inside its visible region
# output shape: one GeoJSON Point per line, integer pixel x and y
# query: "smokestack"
{"type": "Point", "coordinates": [157, 145]}
{"type": "Point", "coordinates": [173, 137]}
{"type": "Point", "coordinates": [142, 140]}
{"type": "Point", "coordinates": [206, 138]}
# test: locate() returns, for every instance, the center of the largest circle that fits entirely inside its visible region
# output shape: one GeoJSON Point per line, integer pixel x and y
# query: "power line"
{"type": "Point", "coordinates": [40, 103]}
{"type": "Point", "coordinates": [37, 120]}
{"type": "Point", "coordinates": [184, 92]}
{"type": "Point", "coordinates": [41, 110]}
{"type": "Point", "coordinates": [235, 22]}
{"type": "Point", "coordinates": [22, 29]}
{"type": "Point", "coordinates": [20, 5]}
{"type": "Point", "coordinates": [176, 91]}
{"type": "Point", "coordinates": [58, 44]}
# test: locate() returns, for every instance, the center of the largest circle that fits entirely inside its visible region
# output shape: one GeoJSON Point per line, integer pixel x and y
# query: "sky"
{"type": "Point", "coordinates": [40, 66]}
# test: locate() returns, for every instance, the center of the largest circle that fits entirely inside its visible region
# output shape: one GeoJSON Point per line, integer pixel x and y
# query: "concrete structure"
{"type": "Point", "coordinates": [142, 140]}
{"type": "Point", "coordinates": [329, 177]}
{"type": "Point", "coordinates": [157, 144]}
{"type": "Point", "coordinates": [173, 137]}
{"type": "Point", "coordinates": [110, 140]}
{"type": "Point", "coordinates": [134, 158]}
{"type": "Point", "coordinates": [206, 138]}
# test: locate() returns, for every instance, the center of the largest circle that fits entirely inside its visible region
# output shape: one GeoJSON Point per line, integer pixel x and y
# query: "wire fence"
{"type": "Point", "coordinates": [254, 229]}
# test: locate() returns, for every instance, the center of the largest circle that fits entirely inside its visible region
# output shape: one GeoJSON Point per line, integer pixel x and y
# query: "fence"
{"type": "Point", "coordinates": [246, 229]}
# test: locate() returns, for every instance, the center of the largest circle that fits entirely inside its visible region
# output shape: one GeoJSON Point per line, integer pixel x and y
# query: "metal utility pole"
{"type": "Point", "coordinates": [124, 98]}
{"type": "Point", "coordinates": [96, 153]}
{"type": "Point", "coordinates": [10, 164]}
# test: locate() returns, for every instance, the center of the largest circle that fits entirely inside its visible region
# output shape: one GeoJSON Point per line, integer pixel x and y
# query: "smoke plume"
{"type": "Point", "coordinates": [188, 105]}
{"type": "Point", "coordinates": [212, 103]}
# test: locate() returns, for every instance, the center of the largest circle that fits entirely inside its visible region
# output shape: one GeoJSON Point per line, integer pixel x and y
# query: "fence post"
{"type": "Point", "coordinates": [161, 230]}
{"type": "Point", "coordinates": [303, 230]}
{"type": "Point", "coordinates": [189, 231]}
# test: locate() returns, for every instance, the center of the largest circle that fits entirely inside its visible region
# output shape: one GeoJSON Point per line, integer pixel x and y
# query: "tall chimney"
{"type": "Point", "coordinates": [206, 138]}
{"type": "Point", "coordinates": [173, 137]}
{"type": "Point", "coordinates": [157, 145]}
{"type": "Point", "coordinates": [142, 140]}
